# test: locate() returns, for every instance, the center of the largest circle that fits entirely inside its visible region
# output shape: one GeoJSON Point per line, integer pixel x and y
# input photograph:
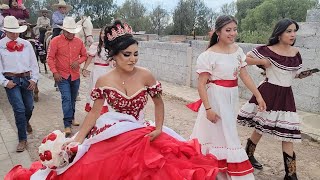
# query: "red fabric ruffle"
{"type": "Point", "coordinates": [132, 156]}
{"type": "Point", "coordinates": [236, 169]}
{"type": "Point", "coordinates": [195, 106]}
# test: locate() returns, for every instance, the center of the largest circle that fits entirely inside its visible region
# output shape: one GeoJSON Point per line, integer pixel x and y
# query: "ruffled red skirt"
{"type": "Point", "coordinates": [132, 156]}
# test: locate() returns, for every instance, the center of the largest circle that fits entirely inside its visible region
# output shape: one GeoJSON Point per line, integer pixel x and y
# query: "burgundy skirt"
{"type": "Point", "coordinates": [280, 120]}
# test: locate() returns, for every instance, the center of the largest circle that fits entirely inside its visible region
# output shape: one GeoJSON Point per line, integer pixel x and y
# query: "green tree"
{"type": "Point", "coordinates": [191, 15]}
{"type": "Point", "coordinates": [100, 11]}
{"type": "Point", "coordinates": [243, 6]}
{"type": "Point", "coordinates": [257, 25]}
{"type": "Point", "coordinates": [159, 18]}
{"type": "Point", "coordinates": [134, 13]}
{"type": "Point", "coordinates": [229, 9]}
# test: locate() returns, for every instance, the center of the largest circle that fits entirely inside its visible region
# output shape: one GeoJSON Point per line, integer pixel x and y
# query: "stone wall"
{"type": "Point", "coordinates": [175, 62]}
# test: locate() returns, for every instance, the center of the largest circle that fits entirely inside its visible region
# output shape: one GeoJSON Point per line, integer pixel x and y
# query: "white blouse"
{"type": "Point", "coordinates": [221, 66]}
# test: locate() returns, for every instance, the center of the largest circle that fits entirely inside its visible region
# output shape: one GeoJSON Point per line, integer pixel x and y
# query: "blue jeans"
{"type": "Point", "coordinates": [21, 100]}
{"type": "Point", "coordinates": [69, 91]}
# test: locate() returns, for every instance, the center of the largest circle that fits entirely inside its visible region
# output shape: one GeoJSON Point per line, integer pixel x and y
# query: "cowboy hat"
{"type": "Point", "coordinates": [44, 10]}
{"type": "Point", "coordinates": [70, 25]}
{"type": "Point", "coordinates": [11, 24]}
{"type": "Point", "coordinates": [62, 3]}
{"type": "Point", "coordinates": [4, 6]}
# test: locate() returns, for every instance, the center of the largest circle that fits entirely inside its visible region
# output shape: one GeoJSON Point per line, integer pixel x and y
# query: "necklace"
{"type": "Point", "coordinates": [130, 77]}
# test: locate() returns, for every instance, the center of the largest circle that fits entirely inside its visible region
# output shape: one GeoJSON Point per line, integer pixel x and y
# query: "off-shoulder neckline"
{"type": "Point", "coordinates": [145, 88]}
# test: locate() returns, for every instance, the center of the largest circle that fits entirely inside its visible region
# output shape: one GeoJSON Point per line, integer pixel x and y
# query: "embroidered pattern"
{"type": "Point", "coordinates": [128, 105]}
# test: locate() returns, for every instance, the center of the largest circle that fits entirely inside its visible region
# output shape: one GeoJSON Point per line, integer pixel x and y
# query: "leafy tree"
{"type": "Point", "coordinates": [191, 15]}
{"type": "Point", "coordinates": [229, 9]}
{"type": "Point", "coordinates": [134, 13]}
{"type": "Point", "coordinates": [100, 11]}
{"type": "Point", "coordinates": [159, 18]}
{"type": "Point", "coordinates": [243, 6]}
{"type": "Point", "coordinates": [259, 21]}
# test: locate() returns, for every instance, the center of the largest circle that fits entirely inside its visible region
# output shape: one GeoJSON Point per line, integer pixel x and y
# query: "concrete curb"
{"type": "Point", "coordinates": [310, 122]}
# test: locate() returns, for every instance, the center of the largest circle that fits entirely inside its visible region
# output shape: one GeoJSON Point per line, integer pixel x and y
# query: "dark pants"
{"type": "Point", "coordinates": [21, 100]}
{"type": "Point", "coordinates": [56, 32]}
{"type": "Point", "coordinates": [42, 33]}
{"type": "Point", "coordinates": [69, 91]}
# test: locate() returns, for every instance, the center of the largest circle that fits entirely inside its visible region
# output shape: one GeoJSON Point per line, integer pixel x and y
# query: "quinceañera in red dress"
{"type": "Point", "coordinates": [117, 148]}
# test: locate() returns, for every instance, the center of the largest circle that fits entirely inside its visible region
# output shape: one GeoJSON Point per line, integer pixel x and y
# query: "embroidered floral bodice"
{"type": "Point", "coordinates": [120, 102]}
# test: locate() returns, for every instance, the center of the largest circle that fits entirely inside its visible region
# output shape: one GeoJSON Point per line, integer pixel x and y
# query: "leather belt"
{"type": "Point", "coordinates": [24, 74]}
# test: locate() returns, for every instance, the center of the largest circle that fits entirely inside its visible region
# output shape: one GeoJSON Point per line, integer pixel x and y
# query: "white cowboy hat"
{"type": "Point", "coordinates": [62, 3]}
{"type": "Point", "coordinates": [44, 10]}
{"type": "Point", "coordinates": [4, 6]}
{"type": "Point", "coordinates": [11, 24]}
{"type": "Point", "coordinates": [70, 25]}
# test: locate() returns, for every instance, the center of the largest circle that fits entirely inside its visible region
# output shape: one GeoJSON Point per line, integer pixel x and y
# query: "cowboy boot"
{"type": "Point", "coordinates": [250, 148]}
{"type": "Point", "coordinates": [290, 166]}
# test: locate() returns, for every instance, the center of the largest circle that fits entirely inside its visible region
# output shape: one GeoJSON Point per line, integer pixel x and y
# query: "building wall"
{"type": "Point", "coordinates": [175, 63]}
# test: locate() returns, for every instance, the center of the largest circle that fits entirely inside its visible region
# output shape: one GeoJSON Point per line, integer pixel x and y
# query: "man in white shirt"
{"type": "Point", "coordinates": [19, 73]}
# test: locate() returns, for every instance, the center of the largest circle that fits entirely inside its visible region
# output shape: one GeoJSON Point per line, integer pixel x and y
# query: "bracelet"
{"type": "Point", "coordinates": [208, 108]}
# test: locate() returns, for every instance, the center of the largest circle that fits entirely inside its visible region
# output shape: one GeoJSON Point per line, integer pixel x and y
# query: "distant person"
{"type": "Point", "coordinates": [61, 10]}
{"type": "Point", "coordinates": [18, 10]}
{"type": "Point", "coordinates": [2, 7]}
{"type": "Point", "coordinates": [43, 24]}
{"type": "Point", "coordinates": [102, 64]}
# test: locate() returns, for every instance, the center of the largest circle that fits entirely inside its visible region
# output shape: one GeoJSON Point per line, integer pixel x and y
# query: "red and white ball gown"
{"type": "Point", "coordinates": [117, 147]}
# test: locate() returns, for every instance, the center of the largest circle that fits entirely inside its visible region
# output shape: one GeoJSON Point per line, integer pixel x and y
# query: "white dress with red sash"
{"type": "Point", "coordinates": [221, 139]}
{"type": "Point", "coordinates": [101, 66]}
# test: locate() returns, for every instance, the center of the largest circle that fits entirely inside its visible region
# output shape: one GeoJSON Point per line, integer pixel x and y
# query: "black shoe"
{"type": "Point", "coordinates": [255, 163]}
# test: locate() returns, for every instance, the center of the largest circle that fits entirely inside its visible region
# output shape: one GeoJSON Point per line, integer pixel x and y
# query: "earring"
{"type": "Point", "coordinates": [218, 39]}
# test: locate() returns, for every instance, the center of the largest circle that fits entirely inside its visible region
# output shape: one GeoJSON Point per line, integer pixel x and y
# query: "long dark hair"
{"type": "Point", "coordinates": [100, 42]}
{"type": "Point", "coordinates": [221, 21]}
{"type": "Point", "coordinates": [280, 28]}
{"type": "Point", "coordinates": [120, 43]}
{"type": "Point", "coordinates": [10, 3]}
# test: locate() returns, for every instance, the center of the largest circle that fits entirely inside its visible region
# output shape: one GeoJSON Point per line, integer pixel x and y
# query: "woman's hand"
{"type": "Point", "coordinates": [85, 73]}
{"type": "Point", "coordinates": [266, 63]}
{"type": "Point", "coordinates": [262, 105]}
{"type": "Point", "coordinates": [212, 116]}
{"type": "Point", "coordinates": [154, 134]}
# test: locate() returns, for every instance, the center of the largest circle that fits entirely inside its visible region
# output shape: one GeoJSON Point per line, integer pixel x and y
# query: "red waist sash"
{"type": "Point", "coordinates": [195, 106]}
{"type": "Point", "coordinates": [101, 64]}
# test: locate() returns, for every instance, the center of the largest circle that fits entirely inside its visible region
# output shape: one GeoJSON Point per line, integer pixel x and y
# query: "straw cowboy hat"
{"type": "Point", "coordinates": [4, 6]}
{"type": "Point", "coordinates": [62, 3]}
{"type": "Point", "coordinates": [70, 25]}
{"type": "Point", "coordinates": [44, 10]}
{"type": "Point", "coordinates": [11, 24]}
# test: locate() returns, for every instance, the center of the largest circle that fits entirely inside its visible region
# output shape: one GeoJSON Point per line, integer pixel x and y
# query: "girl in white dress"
{"type": "Point", "coordinates": [102, 65]}
{"type": "Point", "coordinates": [218, 68]}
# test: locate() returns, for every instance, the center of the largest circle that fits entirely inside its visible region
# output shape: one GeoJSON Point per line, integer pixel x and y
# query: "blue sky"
{"type": "Point", "coordinates": [171, 4]}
